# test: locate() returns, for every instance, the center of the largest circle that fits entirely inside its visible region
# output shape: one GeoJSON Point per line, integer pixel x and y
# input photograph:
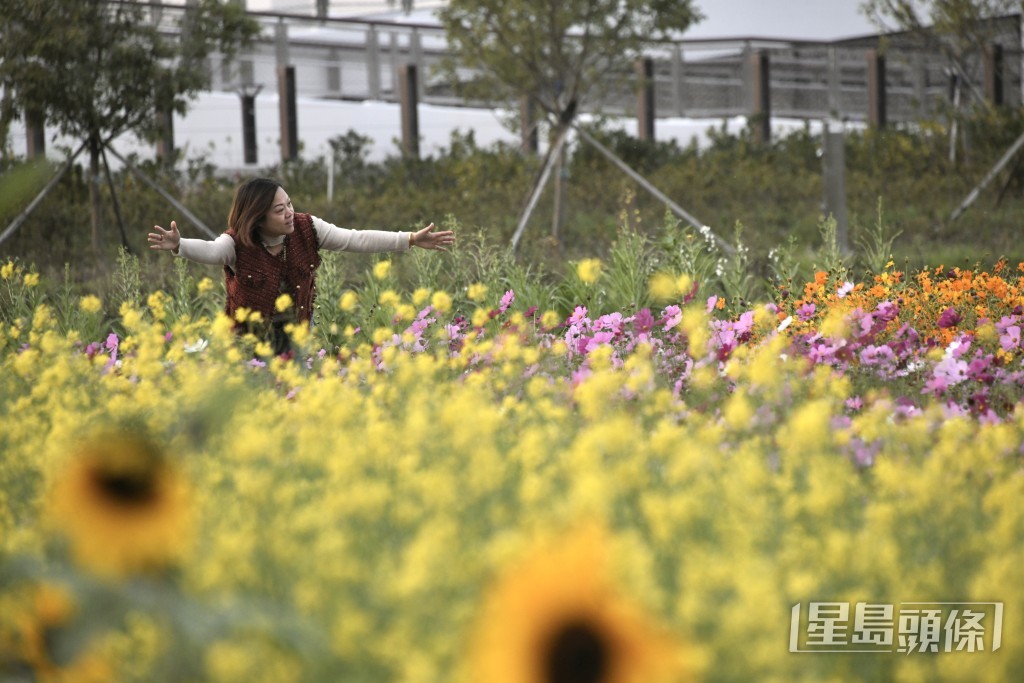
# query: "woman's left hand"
{"type": "Point", "coordinates": [428, 239]}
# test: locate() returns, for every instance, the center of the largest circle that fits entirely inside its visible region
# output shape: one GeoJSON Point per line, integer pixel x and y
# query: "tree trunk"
{"type": "Point", "coordinates": [94, 194]}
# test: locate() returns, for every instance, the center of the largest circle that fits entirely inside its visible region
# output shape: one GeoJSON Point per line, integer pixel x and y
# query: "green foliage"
{"type": "Point", "coordinates": [685, 249]}
{"type": "Point", "coordinates": [555, 53]}
{"type": "Point", "coordinates": [736, 278]}
{"type": "Point", "coordinates": [960, 26]}
{"type": "Point", "coordinates": [774, 192]}
{"type": "Point", "coordinates": [831, 257]}
{"type": "Point", "coordinates": [876, 245]}
{"type": "Point", "coordinates": [19, 293]}
{"type": "Point", "coordinates": [127, 280]}
{"type": "Point", "coordinates": [630, 269]}
{"type": "Point", "coordinates": [94, 69]}
{"type": "Point", "coordinates": [19, 184]}
{"type": "Point", "coordinates": [785, 269]}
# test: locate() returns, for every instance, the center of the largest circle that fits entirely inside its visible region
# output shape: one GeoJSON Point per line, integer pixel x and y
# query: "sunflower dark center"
{"type": "Point", "coordinates": [127, 488]}
{"type": "Point", "coordinates": [576, 654]}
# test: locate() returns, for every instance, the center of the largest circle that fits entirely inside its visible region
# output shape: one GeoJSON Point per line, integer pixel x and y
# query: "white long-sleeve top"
{"type": "Point", "coordinates": [221, 251]}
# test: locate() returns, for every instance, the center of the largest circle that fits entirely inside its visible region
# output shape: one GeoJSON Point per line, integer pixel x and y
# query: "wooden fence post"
{"type": "Point", "coordinates": [288, 113]}
{"type": "Point", "coordinates": [644, 68]}
{"type": "Point", "coordinates": [678, 81]}
{"type": "Point", "coordinates": [759, 70]}
{"type": "Point", "coordinates": [408, 96]}
{"type": "Point", "coordinates": [876, 89]}
{"type": "Point", "coordinates": [994, 74]}
{"type": "Point", "coordinates": [249, 147]}
{"type": "Point", "coordinates": [35, 135]}
{"type": "Point", "coordinates": [286, 97]}
{"type": "Point", "coordinates": [834, 168]}
{"type": "Point", "coordinates": [165, 143]}
{"type": "Point", "coordinates": [372, 63]}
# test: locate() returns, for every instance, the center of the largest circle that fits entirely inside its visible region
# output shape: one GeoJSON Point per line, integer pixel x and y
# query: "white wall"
{"type": "Point", "coordinates": [213, 129]}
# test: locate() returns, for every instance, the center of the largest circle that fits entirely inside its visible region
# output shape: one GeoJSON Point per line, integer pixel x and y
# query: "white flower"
{"type": "Point", "coordinates": [199, 346]}
{"type": "Point", "coordinates": [785, 323]}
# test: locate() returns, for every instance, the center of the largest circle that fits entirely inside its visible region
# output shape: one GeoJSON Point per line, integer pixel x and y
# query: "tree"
{"type": "Point", "coordinates": [96, 69]}
{"type": "Point", "coordinates": [956, 27]}
{"type": "Point", "coordinates": [559, 53]}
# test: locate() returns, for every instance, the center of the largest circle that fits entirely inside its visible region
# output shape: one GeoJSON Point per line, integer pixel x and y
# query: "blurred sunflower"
{"type": "Point", "coordinates": [122, 505]}
{"type": "Point", "coordinates": [30, 635]}
{"type": "Point", "coordinates": [556, 619]}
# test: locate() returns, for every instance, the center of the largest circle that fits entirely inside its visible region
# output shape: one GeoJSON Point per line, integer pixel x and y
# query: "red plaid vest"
{"type": "Point", "coordinates": [258, 276]}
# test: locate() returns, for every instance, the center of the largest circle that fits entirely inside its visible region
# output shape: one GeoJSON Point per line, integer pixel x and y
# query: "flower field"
{"type": "Point", "coordinates": [467, 486]}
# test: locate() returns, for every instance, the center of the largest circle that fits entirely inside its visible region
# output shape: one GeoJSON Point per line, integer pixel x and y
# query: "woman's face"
{"type": "Point", "coordinates": [280, 220]}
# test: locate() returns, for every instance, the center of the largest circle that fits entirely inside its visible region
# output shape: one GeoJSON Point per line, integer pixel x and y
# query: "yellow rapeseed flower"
{"type": "Point", "coordinates": [695, 324]}
{"type": "Point", "coordinates": [477, 291]}
{"type": "Point", "coordinates": [204, 285]}
{"type": "Point", "coordinates": [348, 302]}
{"type": "Point", "coordinates": [382, 269]}
{"type": "Point", "coordinates": [738, 411]}
{"type": "Point", "coordinates": [480, 317]}
{"type": "Point", "coordinates": [90, 304]}
{"type": "Point", "coordinates": [684, 284]}
{"type": "Point", "coordinates": [441, 301]}
{"type": "Point", "coordinates": [589, 270]}
{"type": "Point", "coordinates": [31, 279]}
{"type": "Point", "coordinates": [420, 296]}
{"type": "Point", "coordinates": [389, 298]}
{"type": "Point", "coordinates": [405, 312]}
{"type": "Point", "coordinates": [283, 303]}
{"type": "Point", "coordinates": [662, 286]}
{"type": "Point", "coordinates": [807, 429]}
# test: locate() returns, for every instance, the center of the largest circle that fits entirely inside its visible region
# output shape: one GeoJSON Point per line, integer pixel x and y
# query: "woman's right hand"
{"type": "Point", "coordinates": [165, 240]}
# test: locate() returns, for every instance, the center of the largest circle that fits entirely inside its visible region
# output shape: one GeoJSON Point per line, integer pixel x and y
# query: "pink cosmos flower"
{"type": "Point", "coordinates": [112, 344]}
{"type": "Point", "coordinates": [671, 316]}
{"type": "Point", "coordinates": [950, 371]}
{"type": "Point", "coordinates": [806, 312]}
{"type": "Point", "coordinates": [506, 301]}
{"type": "Point", "coordinates": [949, 318]}
{"type": "Point", "coordinates": [887, 311]}
{"type": "Point", "coordinates": [643, 321]}
{"type": "Point", "coordinates": [1010, 341]}
{"type": "Point", "coordinates": [579, 317]}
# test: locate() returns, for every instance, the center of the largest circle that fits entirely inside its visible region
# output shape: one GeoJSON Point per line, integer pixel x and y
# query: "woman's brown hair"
{"type": "Point", "coordinates": [253, 200]}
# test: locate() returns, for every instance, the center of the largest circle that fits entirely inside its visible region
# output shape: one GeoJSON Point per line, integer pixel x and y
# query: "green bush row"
{"type": "Point", "coordinates": [901, 189]}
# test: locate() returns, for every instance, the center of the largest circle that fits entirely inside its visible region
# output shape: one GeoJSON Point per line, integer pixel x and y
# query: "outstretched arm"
{"type": "Point", "coordinates": [428, 239]}
{"type": "Point", "coordinates": [333, 238]}
{"type": "Point", "coordinates": [217, 252]}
